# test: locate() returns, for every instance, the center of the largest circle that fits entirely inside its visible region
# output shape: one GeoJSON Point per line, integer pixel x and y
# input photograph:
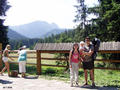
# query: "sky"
{"type": "Point", "coordinates": [61, 12]}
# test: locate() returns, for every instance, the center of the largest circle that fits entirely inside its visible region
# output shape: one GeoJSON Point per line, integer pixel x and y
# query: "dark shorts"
{"type": "Point", "coordinates": [88, 65]}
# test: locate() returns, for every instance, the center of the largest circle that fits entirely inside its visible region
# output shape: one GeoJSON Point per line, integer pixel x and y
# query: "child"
{"type": "Point", "coordinates": [74, 64]}
{"type": "Point", "coordinates": [82, 47]}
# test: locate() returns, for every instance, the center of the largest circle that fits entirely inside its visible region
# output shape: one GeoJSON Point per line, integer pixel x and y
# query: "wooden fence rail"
{"type": "Point", "coordinates": [66, 59]}
{"type": "Point", "coordinates": [39, 58]}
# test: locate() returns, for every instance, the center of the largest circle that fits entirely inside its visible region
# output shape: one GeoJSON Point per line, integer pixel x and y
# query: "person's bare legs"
{"type": "Point", "coordinates": [6, 67]}
{"type": "Point", "coordinates": [86, 76]}
{"type": "Point", "coordinates": [3, 70]}
{"type": "Point", "coordinates": [92, 76]}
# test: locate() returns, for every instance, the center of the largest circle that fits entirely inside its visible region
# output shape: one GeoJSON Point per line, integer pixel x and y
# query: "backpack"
{"type": "Point", "coordinates": [96, 44]}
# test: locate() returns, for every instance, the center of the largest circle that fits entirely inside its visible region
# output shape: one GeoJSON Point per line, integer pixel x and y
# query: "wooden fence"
{"type": "Point", "coordinates": [39, 58]}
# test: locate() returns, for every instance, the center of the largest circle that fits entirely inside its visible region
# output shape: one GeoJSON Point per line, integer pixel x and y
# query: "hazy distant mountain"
{"type": "Point", "coordinates": [54, 31]}
{"type": "Point", "coordinates": [14, 35]}
{"type": "Point", "coordinates": [36, 29]}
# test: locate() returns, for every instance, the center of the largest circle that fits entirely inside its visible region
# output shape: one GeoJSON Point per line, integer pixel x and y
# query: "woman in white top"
{"type": "Point", "coordinates": [5, 57]}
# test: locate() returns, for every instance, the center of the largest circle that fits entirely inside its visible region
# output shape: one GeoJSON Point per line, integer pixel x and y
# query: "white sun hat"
{"type": "Point", "coordinates": [82, 42]}
{"type": "Point", "coordinates": [24, 47]}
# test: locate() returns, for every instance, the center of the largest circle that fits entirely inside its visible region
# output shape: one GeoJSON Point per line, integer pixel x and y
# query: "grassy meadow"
{"type": "Point", "coordinates": [102, 77]}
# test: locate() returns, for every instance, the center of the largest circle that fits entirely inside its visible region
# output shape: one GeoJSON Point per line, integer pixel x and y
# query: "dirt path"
{"type": "Point", "coordinates": [35, 83]}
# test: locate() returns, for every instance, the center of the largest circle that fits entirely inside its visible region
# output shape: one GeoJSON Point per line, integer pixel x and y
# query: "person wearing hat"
{"type": "Point", "coordinates": [22, 60]}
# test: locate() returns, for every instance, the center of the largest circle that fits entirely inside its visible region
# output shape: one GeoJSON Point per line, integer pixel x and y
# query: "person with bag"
{"type": "Point", "coordinates": [88, 62]}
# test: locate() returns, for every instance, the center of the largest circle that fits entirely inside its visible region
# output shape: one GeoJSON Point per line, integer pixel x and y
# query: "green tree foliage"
{"type": "Point", "coordinates": [3, 29]}
{"type": "Point", "coordinates": [30, 43]}
{"type": "Point", "coordinates": [3, 34]}
{"type": "Point", "coordinates": [111, 16]}
{"type": "Point", "coordinates": [108, 21]}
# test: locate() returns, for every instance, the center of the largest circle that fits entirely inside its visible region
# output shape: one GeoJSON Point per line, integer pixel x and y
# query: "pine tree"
{"type": "Point", "coordinates": [3, 29]}
{"type": "Point", "coordinates": [81, 18]}
{"type": "Point", "coordinates": [81, 13]}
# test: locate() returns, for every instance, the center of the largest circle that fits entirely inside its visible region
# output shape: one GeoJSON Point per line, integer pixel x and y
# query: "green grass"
{"type": "Point", "coordinates": [107, 77]}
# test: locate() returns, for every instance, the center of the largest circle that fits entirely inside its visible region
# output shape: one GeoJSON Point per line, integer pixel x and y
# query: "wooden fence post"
{"type": "Point", "coordinates": [0, 56]}
{"type": "Point", "coordinates": [38, 62]}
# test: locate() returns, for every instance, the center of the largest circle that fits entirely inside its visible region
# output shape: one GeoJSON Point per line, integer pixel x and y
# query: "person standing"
{"type": "Point", "coordinates": [22, 60]}
{"type": "Point", "coordinates": [88, 62]}
{"type": "Point", "coordinates": [74, 64]}
{"type": "Point", "coordinates": [5, 57]}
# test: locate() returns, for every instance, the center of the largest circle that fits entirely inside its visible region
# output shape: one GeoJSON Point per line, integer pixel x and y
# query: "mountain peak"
{"type": "Point", "coordinates": [35, 29]}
